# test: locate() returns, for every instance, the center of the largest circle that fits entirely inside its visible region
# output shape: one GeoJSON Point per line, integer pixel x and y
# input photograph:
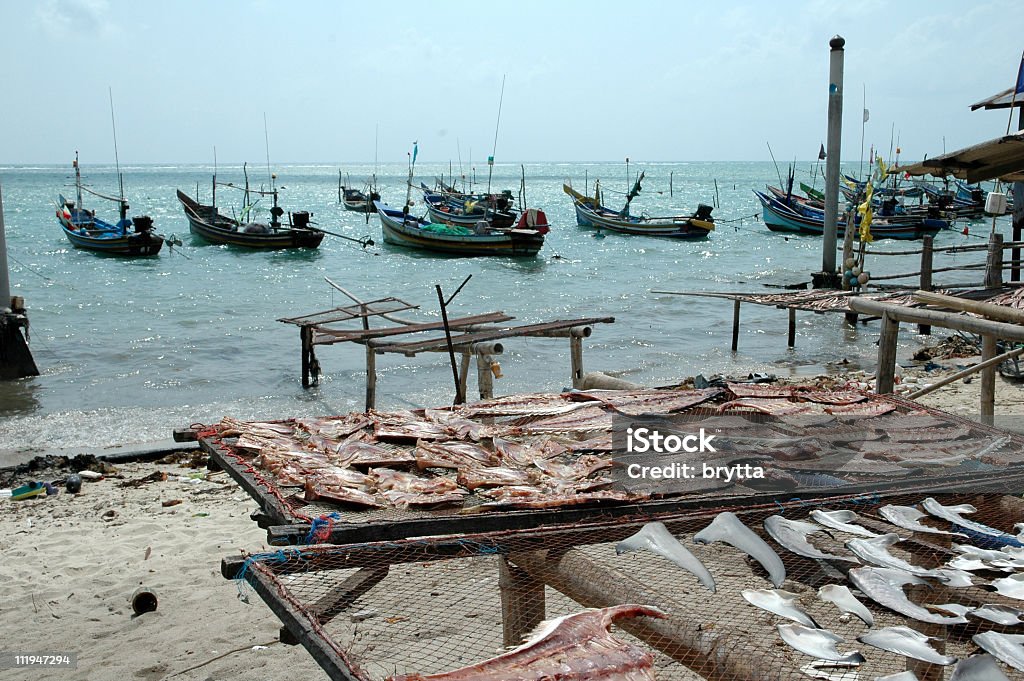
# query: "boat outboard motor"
{"type": "Point", "coordinates": [704, 212]}
{"type": "Point", "coordinates": [142, 223]}
{"type": "Point", "coordinates": [300, 219]}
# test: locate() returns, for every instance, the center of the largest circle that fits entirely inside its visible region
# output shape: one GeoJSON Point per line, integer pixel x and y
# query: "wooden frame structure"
{"type": "Point", "coordinates": [475, 335]}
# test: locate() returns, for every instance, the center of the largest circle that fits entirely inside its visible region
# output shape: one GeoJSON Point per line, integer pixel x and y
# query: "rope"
{"type": "Point", "coordinates": [320, 529]}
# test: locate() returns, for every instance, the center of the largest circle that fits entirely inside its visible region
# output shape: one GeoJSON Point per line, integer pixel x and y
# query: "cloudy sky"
{"type": "Point", "coordinates": [584, 81]}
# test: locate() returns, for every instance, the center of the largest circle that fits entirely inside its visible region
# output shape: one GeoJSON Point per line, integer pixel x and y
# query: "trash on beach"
{"type": "Point", "coordinates": [73, 484]}
{"type": "Point", "coordinates": [90, 476]}
{"type": "Point", "coordinates": [144, 600]}
{"type": "Point", "coordinates": [109, 514]}
{"type": "Point", "coordinates": [155, 476]}
{"type": "Point", "coordinates": [170, 502]}
{"type": "Point", "coordinates": [32, 489]}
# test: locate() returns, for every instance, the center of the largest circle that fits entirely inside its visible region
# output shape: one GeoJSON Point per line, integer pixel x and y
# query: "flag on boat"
{"type": "Point", "coordinates": [867, 115]}
{"type": "Point", "coordinates": [821, 152]}
{"type": "Point", "coordinates": [1019, 90]}
{"type": "Point", "coordinates": [415, 150]}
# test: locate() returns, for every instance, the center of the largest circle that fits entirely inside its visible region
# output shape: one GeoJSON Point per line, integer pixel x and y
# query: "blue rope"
{"type": "Point", "coordinates": [317, 523]}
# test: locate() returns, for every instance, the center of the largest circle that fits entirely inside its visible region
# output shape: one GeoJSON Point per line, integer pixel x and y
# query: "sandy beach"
{"type": "Point", "coordinates": [72, 562]}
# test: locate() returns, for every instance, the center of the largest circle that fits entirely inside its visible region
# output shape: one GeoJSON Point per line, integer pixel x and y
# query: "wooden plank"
{"type": "Point", "coordinates": [339, 335]}
{"type": "Point", "coordinates": [381, 306]}
{"type": "Point", "coordinates": [576, 360]}
{"type": "Point", "coordinates": [945, 319]}
{"type": "Point", "coordinates": [988, 379]}
{"type": "Point", "coordinates": [339, 598]}
{"type": "Point", "coordinates": [522, 602]}
{"type": "Point", "coordinates": [1000, 313]}
{"type": "Point", "coordinates": [470, 338]}
{"type": "Point", "coordinates": [885, 373]}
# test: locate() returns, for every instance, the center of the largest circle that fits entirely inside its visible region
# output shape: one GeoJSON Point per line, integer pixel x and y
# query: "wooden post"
{"type": "Point", "coordinates": [994, 263]}
{"type": "Point", "coordinates": [484, 377]}
{"type": "Point", "coordinates": [576, 360]}
{"type": "Point", "coordinates": [927, 251]}
{"type": "Point", "coordinates": [371, 365]}
{"type": "Point", "coordinates": [522, 602]}
{"type": "Point", "coordinates": [886, 372]}
{"type": "Point", "coordinates": [306, 336]}
{"type": "Point", "coordinates": [463, 372]}
{"type": "Point", "coordinates": [988, 379]}
{"type": "Point", "coordinates": [791, 339]}
{"type": "Point", "coordinates": [735, 324]}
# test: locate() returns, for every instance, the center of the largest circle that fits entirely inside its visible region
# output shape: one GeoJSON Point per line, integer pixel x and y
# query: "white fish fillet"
{"type": "Point", "coordinates": [1000, 614]}
{"type": "Point", "coordinates": [906, 641]}
{"type": "Point", "coordinates": [1008, 648]}
{"type": "Point", "coordinates": [726, 527]}
{"type": "Point", "coordinates": [818, 643]}
{"type": "Point", "coordinates": [875, 551]}
{"type": "Point", "coordinates": [954, 515]}
{"type": "Point", "coordinates": [978, 668]}
{"type": "Point", "coordinates": [908, 518]}
{"type": "Point", "coordinates": [841, 520]}
{"type": "Point", "coordinates": [792, 534]}
{"type": "Point", "coordinates": [780, 602]}
{"type": "Point", "coordinates": [885, 587]}
{"type": "Point", "coordinates": [842, 598]}
{"type": "Point", "coordinates": [656, 538]}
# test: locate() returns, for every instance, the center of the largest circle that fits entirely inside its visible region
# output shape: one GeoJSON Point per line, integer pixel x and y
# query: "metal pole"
{"type": "Point", "coordinates": [833, 154]}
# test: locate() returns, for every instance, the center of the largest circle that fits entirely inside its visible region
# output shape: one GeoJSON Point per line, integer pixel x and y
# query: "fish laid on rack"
{"type": "Point", "coordinates": [831, 670]}
{"type": "Point", "coordinates": [578, 646]}
{"type": "Point", "coordinates": [1007, 648]}
{"type": "Point", "coordinates": [726, 527]}
{"type": "Point", "coordinates": [403, 499]}
{"type": "Point", "coordinates": [840, 596]}
{"type": "Point", "coordinates": [405, 425]}
{"type": "Point", "coordinates": [841, 520]}
{"type": "Point", "coordinates": [317, 489]}
{"type": "Point", "coordinates": [978, 668]}
{"type": "Point", "coordinates": [899, 676]}
{"type": "Point", "coordinates": [885, 587]}
{"type": "Point", "coordinates": [874, 408]}
{"type": "Point", "coordinates": [765, 405]}
{"type": "Point", "coordinates": [760, 390]}
{"type": "Point", "coordinates": [639, 402]}
{"type": "Point", "coordinates": [954, 514]}
{"type": "Point", "coordinates": [656, 538]}
{"type": "Point", "coordinates": [876, 552]}
{"type": "Point", "coordinates": [836, 397]}
{"type": "Point", "coordinates": [819, 643]}
{"type": "Point", "coordinates": [457, 425]}
{"type": "Point", "coordinates": [580, 469]}
{"type": "Point", "coordinates": [476, 477]}
{"type": "Point", "coordinates": [453, 454]}
{"type": "Point", "coordinates": [334, 427]}
{"type": "Point", "coordinates": [907, 642]}
{"type": "Point", "coordinates": [780, 602]}
{"type": "Point", "coordinates": [1012, 586]}
{"type": "Point", "coordinates": [590, 417]}
{"type": "Point", "coordinates": [527, 498]}
{"type": "Point", "coordinates": [366, 454]}
{"type": "Point", "coordinates": [386, 479]}
{"type": "Point", "coordinates": [947, 435]}
{"type": "Point", "coordinates": [231, 427]}
{"type": "Point", "coordinates": [1006, 615]}
{"type": "Point", "coordinates": [792, 534]}
{"type": "Point", "coordinates": [909, 518]}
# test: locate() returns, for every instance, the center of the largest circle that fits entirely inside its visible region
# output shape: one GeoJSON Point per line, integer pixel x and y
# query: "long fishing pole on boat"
{"type": "Point", "coordinates": [494, 149]}
{"type": "Point", "coordinates": [122, 207]}
{"type": "Point", "coordinates": [777, 171]}
{"type": "Point", "coordinates": [364, 242]}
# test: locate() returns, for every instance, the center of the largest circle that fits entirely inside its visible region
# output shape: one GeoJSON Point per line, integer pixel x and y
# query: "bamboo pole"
{"type": "Point", "coordinates": [994, 265]}
{"type": "Point", "coordinates": [949, 320]}
{"type": "Point", "coordinates": [371, 366]}
{"type": "Point", "coordinates": [576, 360]}
{"type": "Point", "coordinates": [997, 312]}
{"type": "Point", "coordinates": [974, 368]}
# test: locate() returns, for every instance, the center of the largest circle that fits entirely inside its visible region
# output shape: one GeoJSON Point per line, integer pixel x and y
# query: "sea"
{"type": "Point", "coordinates": [130, 349]}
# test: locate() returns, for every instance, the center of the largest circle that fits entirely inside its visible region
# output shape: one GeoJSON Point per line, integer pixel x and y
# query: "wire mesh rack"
{"type": "Point", "coordinates": [418, 607]}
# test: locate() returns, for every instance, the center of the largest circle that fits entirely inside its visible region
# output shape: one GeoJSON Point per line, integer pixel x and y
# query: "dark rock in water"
{"type": "Point", "coordinates": [49, 467]}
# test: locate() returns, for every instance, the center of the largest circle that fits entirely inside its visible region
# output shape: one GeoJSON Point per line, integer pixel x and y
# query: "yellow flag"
{"type": "Point", "coordinates": [866, 214]}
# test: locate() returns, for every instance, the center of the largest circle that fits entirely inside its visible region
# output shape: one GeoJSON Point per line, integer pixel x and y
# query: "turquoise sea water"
{"type": "Point", "coordinates": [130, 349]}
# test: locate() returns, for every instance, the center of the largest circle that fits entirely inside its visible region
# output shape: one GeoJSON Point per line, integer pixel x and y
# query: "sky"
{"type": "Point", "coordinates": [344, 82]}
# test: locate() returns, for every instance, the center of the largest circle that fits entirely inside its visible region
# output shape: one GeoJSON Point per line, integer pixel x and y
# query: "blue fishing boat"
{"type": "Point", "coordinates": [590, 213]}
{"type": "Point", "coordinates": [132, 237]}
{"type": "Point", "coordinates": [455, 208]}
{"type": "Point", "coordinates": [779, 216]}
{"type": "Point", "coordinates": [404, 229]}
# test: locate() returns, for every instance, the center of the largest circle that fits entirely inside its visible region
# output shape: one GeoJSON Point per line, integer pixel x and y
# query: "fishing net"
{"type": "Point", "coordinates": [436, 604]}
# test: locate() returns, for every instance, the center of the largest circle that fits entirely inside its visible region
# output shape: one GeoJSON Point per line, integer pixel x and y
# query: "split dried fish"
{"type": "Point", "coordinates": [954, 514]}
{"type": "Point", "coordinates": [843, 599]}
{"type": "Point", "coordinates": [1012, 586]}
{"type": "Point", "coordinates": [792, 534]}
{"type": "Point", "coordinates": [841, 520]}
{"type": "Point", "coordinates": [908, 518]}
{"type": "Point", "coordinates": [780, 602]}
{"type": "Point", "coordinates": [818, 643]}
{"type": "Point", "coordinates": [885, 587]}
{"type": "Point", "coordinates": [1008, 648]}
{"type": "Point", "coordinates": [830, 670]}
{"type": "Point", "coordinates": [726, 527]}
{"type": "Point", "coordinates": [978, 668]}
{"type": "Point", "coordinates": [656, 538]}
{"type": "Point", "coordinates": [1000, 614]}
{"type": "Point", "coordinates": [578, 646]}
{"type": "Point", "coordinates": [875, 551]}
{"type": "Point", "coordinates": [907, 642]}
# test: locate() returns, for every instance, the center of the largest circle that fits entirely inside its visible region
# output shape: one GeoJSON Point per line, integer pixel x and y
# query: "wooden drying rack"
{"type": "Point", "coordinates": [475, 335]}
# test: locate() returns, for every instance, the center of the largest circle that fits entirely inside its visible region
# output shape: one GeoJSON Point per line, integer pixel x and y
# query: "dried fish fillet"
{"type": "Point", "coordinates": [841, 520]}
{"type": "Point", "coordinates": [906, 641]}
{"type": "Point", "coordinates": [885, 587]}
{"type": "Point", "coordinates": [780, 602]}
{"type": "Point", "coordinates": [1008, 648]}
{"type": "Point", "coordinates": [726, 527]}
{"type": "Point", "coordinates": [843, 599]}
{"type": "Point", "coordinates": [792, 534]}
{"type": "Point", "coordinates": [818, 643]}
{"type": "Point", "coordinates": [656, 538]}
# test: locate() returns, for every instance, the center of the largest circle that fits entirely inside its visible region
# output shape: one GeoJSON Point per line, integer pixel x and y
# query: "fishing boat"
{"type": "Point", "coordinates": [402, 228]}
{"type": "Point", "coordinates": [357, 200]}
{"type": "Point", "coordinates": [210, 225]}
{"type": "Point", "coordinates": [590, 213]}
{"type": "Point", "coordinates": [450, 207]}
{"type": "Point", "coordinates": [779, 216]}
{"type": "Point", "coordinates": [127, 237]}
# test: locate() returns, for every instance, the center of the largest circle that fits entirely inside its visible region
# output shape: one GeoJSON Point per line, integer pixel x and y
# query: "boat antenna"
{"type": "Point", "coordinates": [777, 171]}
{"type": "Point", "coordinates": [266, 142]}
{"type": "Point", "coordinates": [862, 124]}
{"type": "Point", "coordinates": [490, 159]}
{"type": "Point", "coordinates": [213, 200]}
{"type": "Point", "coordinates": [117, 162]}
{"type": "Point", "coordinates": [462, 173]}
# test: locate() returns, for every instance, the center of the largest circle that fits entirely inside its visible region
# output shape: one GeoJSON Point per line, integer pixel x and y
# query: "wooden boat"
{"type": "Point", "coordinates": [590, 213]}
{"type": "Point", "coordinates": [403, 229]}
{"type": "Point", "coordinates": [355, 199]}
{"type": "Point", "coordinates": [207, 223]}
{"type": "Point", "coordinates": [86, 231]}
{"type": "Point", "coordinates": [780, 217]}
{"type": "Point", "coordinates": [466, 210]}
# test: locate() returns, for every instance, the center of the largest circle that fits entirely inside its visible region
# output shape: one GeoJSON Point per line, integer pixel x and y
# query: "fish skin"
{"type": "Point", "coordinates": [780, 602]}
{"type": "Point", "coordinates": [875, 551]}
{"type": "Point", "coordinates": [953, 515]}
{"type": "Point", "coordinates": [905, 641]}
{"type": "Point", "coordinates": [818, 643]}
{"type": "Point", "coordinates": [1008, 648]}
{"type": "Point", "coordinates": [1000, 614]}
{"type": "Point", "coordinates": [840, 596]}
{"type": "Point", "coordinates": [907, 517]}
{"type": "Point", "coordinates": [885, 587]}
{"type": "Point", "coordinates": [978, 668]}
{"type": "Point", "coordinates": [1012, 586]}
{"type": "Point", "coordinates": [578, 646]}
{"type": "Point", "coordinates": [726, 527]}
{"type": "Point", "coordinates": [656, 538]}
{"type": "Point", "coordinates": [841, 520]}
{"type": "Point", "coordinates": [792, 534]}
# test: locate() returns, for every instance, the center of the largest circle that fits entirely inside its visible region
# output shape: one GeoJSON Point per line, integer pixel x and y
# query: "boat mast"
{"type": "Point", "coordinates": [122, 206]}
{"type": "Point", "coordinates": [78, 182]}
{"type": "Point", "coordinates": [213, 199]}
{"type": "Point", "coordinates": [494, 149]}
